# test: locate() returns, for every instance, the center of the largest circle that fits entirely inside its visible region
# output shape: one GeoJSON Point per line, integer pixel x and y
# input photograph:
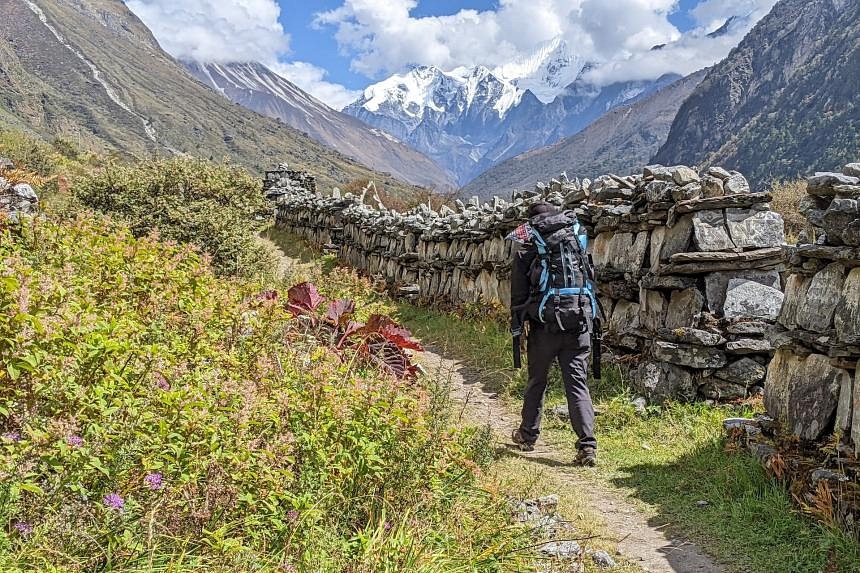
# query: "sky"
{"type": "Point", "coordinates": [335, 48]}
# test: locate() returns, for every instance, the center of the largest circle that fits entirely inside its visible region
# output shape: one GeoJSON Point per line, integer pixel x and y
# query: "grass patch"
{"type": "Point", "coordinates": [786, 202]}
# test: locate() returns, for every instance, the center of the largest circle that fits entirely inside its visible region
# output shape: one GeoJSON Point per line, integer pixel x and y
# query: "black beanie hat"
{"type": "Point", "coordinates": [542, 208]}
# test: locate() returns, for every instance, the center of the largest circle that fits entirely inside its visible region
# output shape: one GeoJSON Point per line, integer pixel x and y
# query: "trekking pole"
{"type": "Point", "coordinates": [517, 333]}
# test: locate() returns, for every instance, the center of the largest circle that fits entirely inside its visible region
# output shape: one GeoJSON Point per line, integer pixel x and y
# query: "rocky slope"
{"type": "Point", "coordinates": [258, 88]}
{"type": "Point", "coordinates": [90, 71]}
{"type": "Point", "coordinates": [468, 120]}
{"type": "Point", "coordinates": [784, 102]}
{"type": "Point", "coordinates": [617, 142]}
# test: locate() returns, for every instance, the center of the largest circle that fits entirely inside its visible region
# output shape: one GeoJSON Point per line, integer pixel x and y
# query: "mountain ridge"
{"type": "Point", "coordinates": [783, 103]}
{"type": "Point", "coordinates": [620, 140]}
{"type": "Point", "coordinates": [259, 88]}
{"type": "Point", "coordinates": [53, 78]}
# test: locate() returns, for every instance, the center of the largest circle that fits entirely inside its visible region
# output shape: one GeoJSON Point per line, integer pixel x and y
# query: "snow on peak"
{"type": "Point", "coordinates": [546, 73]}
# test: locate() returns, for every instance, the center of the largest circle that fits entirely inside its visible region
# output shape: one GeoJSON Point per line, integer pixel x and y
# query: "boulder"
{"type": "Point", "coordinates": [755, 229]}
{"type": "Point", "coordinates": [842, 221]}
{"type": "Point", "coordinates": [684, 308]}
{"type": "Point", "coordinates": [748, 327]}
{"type": "Point", "coordinates": [717, 285]}
{"type": "Point", "coordinates": [749, 299]}
{"type": "Point", "coordinates": [710, 232]}
{"type": "Point", "coordinates": [683, 175]}
{"type": "Point", "coordinates": [26, 192]}
{"type": "Point", "coordinates": [803, 393]}
{"type": "Point", "coordinates": [687, 192]}
{"type": "Point", "coordinates": [822, 183]}
{"type": "Point", "coordinates": [661, 381]}
{"type": "Point", "coordinates": [658, 192]}
{"type": "Point", "coordinates": [736, 184]}
{"type": "Point", "coordinates": [745, 371]}
{"type": "Point", "coordinates": [689, 355]}
{"type": "Point", "coordinates": [815, 312]}
{"type": "Point", "coordinates": [847, 315]}
{"type": "Point", "coordinates": [625, 318]}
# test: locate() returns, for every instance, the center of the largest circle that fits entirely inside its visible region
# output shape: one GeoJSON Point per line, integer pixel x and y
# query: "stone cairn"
{"type": "Point", "coordinates": [688, 265]}
{"type": "Point", "coordinates": [813, 385]}
{"type": "Point", "coordinates": [18, 199]}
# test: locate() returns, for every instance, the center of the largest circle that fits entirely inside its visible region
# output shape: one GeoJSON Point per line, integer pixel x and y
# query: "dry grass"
{"type": "Point", "coordinates": [786, 202]}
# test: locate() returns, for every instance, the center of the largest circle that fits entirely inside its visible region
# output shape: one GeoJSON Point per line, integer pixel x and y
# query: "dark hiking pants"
{"type": "Point", "coordinates": [571, 351]}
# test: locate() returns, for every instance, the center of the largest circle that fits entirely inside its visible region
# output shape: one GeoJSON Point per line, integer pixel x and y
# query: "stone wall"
{"type": "Point", "coordinates": [813, 387]}
{"type": "Point", "coordinates": [688, 265]}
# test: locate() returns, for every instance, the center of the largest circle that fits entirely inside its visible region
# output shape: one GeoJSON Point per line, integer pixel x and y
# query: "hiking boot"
{"type": "Point", "coordinates": [587, 457]}
{"type": "Point", "coordinates": [520, 440]}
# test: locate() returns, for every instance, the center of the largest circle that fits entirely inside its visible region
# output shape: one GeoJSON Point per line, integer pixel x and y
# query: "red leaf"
{"type": "Point", "coordinates": [351, 328]}
{"type": "Point", "coordinates": [339, 311]}
{"type": "Point", "coordinates": [390, 357]}
{"type": "Point", "coordinates": [392, 331]}
{"type": "Point", "coordinates": [305, 297]}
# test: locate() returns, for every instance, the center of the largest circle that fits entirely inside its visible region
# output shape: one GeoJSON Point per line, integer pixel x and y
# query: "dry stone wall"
{"type": "Point", "coordinates": [688, 264]}
{"type": "Point", "coordinates": [812, 386]}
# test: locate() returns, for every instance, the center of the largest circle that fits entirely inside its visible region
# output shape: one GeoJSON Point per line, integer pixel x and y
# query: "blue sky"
{"type": "Point", "coordinates": [333, 49]}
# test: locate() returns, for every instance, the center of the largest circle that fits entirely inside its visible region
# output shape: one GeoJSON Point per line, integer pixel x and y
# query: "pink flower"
{"type": "Point", "coordinates": [154, 481]}
{"type": "Point", "coordinates": [293, 515]}
{"type": "Point", "coordinates": [161, 382]}
{"type": "Point", "coordinates": [114, 501]}
{"type": "Point", "coordinates": [23, 528]}
{"type": "Point", "coordinates": [75, 441]}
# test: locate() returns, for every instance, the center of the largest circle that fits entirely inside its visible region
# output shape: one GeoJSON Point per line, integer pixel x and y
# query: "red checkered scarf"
{"type": "Point", "coordinates": [521, 234]}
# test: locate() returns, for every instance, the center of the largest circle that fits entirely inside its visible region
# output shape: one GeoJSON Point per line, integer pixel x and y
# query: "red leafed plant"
{"type": "Point", "coordinates": [381, 340]}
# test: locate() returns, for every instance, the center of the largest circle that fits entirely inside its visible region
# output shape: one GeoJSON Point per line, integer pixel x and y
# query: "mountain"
{"type": "Point", "coordinates": [621, 140]}
{"type": "Point", "coordinates": [784, 102]}
{"type": "Point", "coordinates": [90, 71]}
{"type": "Point", "coordinates": [260, 89]}
{"type": "Point", "coordinates": [470, 119]}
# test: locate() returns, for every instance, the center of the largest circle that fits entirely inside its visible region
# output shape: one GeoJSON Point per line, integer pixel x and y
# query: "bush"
{"type": "Point", "coordinates": [219, 208]}
{"type": "Point", "coordinates": [786, 202]}
{"type": "Point", "coordinates": [156, 417]}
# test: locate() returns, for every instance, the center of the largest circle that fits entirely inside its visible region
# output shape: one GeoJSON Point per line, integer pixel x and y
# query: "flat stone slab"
{"type": "Point", "coordinates": [847, 315]}
{"type": "Point", "coordinates": [689, 355]}
{"type": "Point", "coordinates": [746, 372]}
{"type": "Point", "coordinates": [756, 230]}
{"type": "Point", "coordinates": [724, 202]}
{"type": "Point", "coordinates": [691, 336]}
{"type": "Point", "coordinates": [661, 381]}
{"type": "Point", "coordinates": [717, 285]}
{"type": "Point", "coordinates": [745, 257]}
{"type": "Point", "coordinates": [710, 232]}
{"type": "Point", "coordinates": [749, 346]}
{"type": "Point", "coordinates": [749, 299]}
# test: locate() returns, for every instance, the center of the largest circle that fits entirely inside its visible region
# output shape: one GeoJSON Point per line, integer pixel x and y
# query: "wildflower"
{"type": "Point", "coordinates": [113, 501]}
{"type": "Point", "coordinates": [154, 481]}
{"type": "Point", "coordinates": [75, 441]}
{"type": "Point", "coordinates": [12, 436]}
{"type": "Point", "coordinates": [387, 526]}
{"type": "Point", "coordinates": [161, 382]}
{"type": "Point", "coordinates": [293, 515]}
{"type": "Point", "coordinates": [24, 528]}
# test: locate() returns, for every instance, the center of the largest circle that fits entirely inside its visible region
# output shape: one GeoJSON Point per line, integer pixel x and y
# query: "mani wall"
{"type": "Point", "coordinates": [688, 264]}
{"type": "Point", "coordinates": [813, 379]}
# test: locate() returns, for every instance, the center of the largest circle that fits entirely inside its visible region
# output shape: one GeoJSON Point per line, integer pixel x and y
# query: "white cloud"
{"type": "Point", "coordinates": [222, 31]}
{"type": "Point", "coordinates": [312, 80]}
{"type": "Point", "coordinates": [229, 31]}
{"type": "Point", "coordinates": [382, 37]}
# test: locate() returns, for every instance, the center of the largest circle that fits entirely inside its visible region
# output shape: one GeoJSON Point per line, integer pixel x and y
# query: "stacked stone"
{"type": "Point", "coordinates": [283, 180]}
{"type": "Point", "coordinates": [688, 265]}
{"type": "Point", "coordinates": [688, 273]}
{"type": "Point", "coordinates": [18, 199]}
{"type": "Point", "coordinates": [812, 386]}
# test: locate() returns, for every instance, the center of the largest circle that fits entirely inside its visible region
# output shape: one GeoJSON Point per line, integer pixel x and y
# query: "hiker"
{"type": "Point", "coordinates": [552, 293]}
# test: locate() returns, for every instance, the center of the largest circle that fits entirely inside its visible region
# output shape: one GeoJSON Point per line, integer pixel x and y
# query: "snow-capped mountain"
{"type": "Point", "coordinates": [469, 119]}
{"type": "Point", "coordinates": [257, 87]}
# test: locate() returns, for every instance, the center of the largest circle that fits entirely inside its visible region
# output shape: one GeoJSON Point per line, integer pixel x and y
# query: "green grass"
{"type": "Point", "coordinates": [667, 461]}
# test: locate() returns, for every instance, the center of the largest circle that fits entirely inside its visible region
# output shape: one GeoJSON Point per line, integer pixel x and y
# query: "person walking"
{"type": "Point", "coordinates": [552, 293]}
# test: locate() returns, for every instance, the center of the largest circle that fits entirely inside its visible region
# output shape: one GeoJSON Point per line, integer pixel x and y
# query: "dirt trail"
{"type": "Point", "coordinates": [637, 539]}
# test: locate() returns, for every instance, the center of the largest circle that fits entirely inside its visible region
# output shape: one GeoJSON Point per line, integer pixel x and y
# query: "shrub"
{"type": "Point", "coordinates": [219, 208]}
{"type": "Point", "coordinates": [786, 202]}
{"type": "Point", "coordinates": [156, 417]}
